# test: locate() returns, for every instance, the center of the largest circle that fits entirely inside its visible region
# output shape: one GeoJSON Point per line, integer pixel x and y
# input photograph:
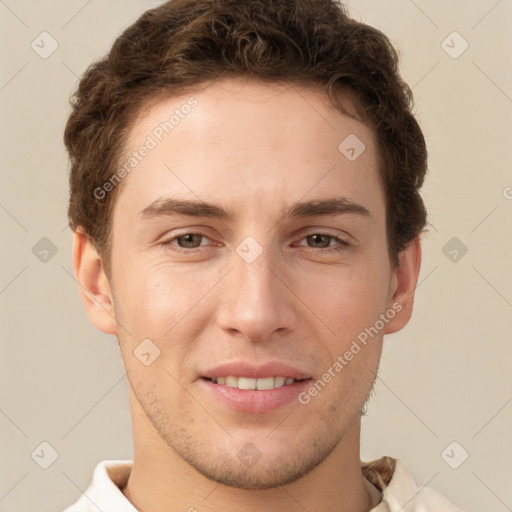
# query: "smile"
{"type": "Point", "coordinates": [261, 384]}
{"type": "Point", "coordinates": [254, 395]}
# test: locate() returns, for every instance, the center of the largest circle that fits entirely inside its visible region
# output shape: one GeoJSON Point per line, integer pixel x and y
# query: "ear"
{"type": "Point", "coordinates": [403, 286]}
{"type": "Point", "coordinates": [93, 284]}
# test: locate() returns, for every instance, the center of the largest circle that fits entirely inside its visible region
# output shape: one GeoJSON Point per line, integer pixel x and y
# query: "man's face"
{"type": "Point", "coordinates": [254, 289]}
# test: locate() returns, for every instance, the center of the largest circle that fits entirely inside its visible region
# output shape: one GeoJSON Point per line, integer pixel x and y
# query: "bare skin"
{"type": "Point", "coordinates": [254, 149]}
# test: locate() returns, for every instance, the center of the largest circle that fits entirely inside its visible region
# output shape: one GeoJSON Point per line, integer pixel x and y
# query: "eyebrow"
{"type": "Point", "coordinates": [171, 206]}
{"type": "Point", "coordinates": [327, 206]}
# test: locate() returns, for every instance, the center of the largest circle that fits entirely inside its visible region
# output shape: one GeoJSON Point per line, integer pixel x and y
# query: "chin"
{"type": "Point", "coordinates": [262, 477]}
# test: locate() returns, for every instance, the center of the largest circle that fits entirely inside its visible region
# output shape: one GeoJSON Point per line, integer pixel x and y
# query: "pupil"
{"type": "Point", "coordinates": [188, 241]}
{"type": "Point", "coordinates": [319, 240]}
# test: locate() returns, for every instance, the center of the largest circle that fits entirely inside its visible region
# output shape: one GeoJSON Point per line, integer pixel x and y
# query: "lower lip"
{"type": "Point", "coordinates": [252, 400]}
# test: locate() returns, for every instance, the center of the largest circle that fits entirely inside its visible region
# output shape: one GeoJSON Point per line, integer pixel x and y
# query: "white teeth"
{"type": "Point", "coordinates": [250, 383]}
{"type": "Point", "coordinates": [246, 383]}
{"type": "Point", "coordinates": [279, 381]}
{"type": "Point", "coordinates": [232, 382]}
{"type": "Point", "coordinates": [266, 383]}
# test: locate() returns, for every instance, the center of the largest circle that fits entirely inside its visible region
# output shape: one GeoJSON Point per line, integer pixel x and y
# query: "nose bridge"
{"type": "Point", "coordinates": [255, 272]}
{"type": "Point", "coordinates": [256, 302]}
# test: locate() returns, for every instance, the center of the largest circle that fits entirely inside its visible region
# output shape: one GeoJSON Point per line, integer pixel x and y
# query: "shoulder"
{"type": "Point", "coordinates": [104, 491]}
{"type": "Point", "coordinates": [399, 489]}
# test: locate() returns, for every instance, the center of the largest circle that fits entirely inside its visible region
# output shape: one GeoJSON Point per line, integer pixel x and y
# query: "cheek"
{"type": "Point", "coordinates": [161, 303]}
{"type": "Point", "coordinates": [156, 310]}
{"type": "Point", "coordinates": [350, 299]}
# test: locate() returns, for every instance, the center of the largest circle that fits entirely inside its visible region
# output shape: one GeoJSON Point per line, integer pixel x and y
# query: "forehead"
{"type": "Point", "coordinates": [249, 143]}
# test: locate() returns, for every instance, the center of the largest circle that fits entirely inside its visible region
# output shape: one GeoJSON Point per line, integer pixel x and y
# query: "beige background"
{"type": "Point", "coordinates": [445, 378]}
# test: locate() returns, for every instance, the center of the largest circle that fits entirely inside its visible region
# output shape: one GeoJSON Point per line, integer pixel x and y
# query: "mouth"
{"type": "Point", "coordinates": [255, 389]}
{"type": "Point", "coordinates": [253, 395]}
{"type": "Point", "coordinates": [250, 383]}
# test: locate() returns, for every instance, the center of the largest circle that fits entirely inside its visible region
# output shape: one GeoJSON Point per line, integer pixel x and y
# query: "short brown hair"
{"type": "Point", "coordinates": [184, 43]}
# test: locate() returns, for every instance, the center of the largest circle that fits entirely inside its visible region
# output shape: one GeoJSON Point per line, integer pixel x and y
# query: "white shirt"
{"type": "Point", "coordinates": [388, 480]}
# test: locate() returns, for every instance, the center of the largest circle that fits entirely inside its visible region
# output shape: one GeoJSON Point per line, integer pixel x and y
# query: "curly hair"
{"type": "Point", "coordinates": [184, 43]}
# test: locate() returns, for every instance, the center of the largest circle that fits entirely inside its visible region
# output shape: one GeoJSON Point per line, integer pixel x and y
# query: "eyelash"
{"type": "Point", "coordinates": [343, 244]}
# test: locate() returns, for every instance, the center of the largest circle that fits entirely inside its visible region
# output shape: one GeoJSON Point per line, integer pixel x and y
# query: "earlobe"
{"type": "Point", "coordinates": [93, 284]}
{"type": "Point", "coordinates": [404, 285]}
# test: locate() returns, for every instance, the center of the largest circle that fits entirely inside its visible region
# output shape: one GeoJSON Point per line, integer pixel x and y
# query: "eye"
{"type": "Point", "coordinates": [324, 239]}
{"type": "Point", "coordinates": [187, 242]}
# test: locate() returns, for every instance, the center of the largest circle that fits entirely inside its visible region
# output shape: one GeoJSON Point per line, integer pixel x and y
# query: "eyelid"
{"type": "Point", "coordinates": [186, 230]}
{"type": "Point", "coordinates": [341, 235]}
{"type": "Point", "coordinates": [340, 242]}
{"type": "Point", "coordinates": [167, 241]}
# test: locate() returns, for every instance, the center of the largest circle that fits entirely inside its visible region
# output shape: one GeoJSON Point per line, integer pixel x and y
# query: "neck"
{"type": "Point", "coordinates": [161, 480]}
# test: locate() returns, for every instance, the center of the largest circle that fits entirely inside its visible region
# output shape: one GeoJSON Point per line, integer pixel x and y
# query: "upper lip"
{"type": "Point", "coordinates": [244, 369]}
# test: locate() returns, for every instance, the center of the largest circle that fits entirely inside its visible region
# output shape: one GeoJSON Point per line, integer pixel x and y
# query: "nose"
{"type": "Point", "coordinates": [257, 302]}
